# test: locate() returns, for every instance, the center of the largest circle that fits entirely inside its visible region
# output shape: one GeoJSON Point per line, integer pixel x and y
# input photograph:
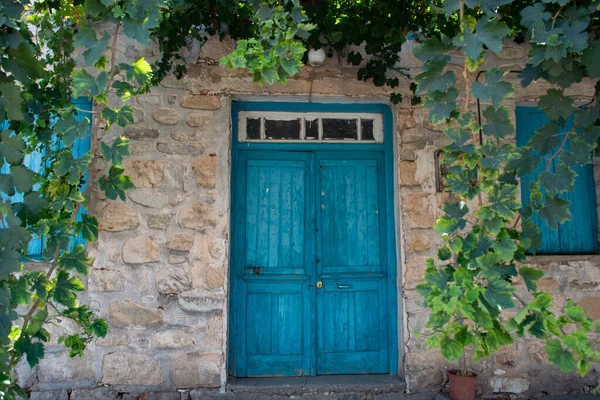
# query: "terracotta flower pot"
{"type": "Point", "coordinates": [462, 387]}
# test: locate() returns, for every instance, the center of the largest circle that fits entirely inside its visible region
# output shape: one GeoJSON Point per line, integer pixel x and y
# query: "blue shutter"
{"type": "Point", "coordinates": [580, 234]}
{"type": "Point", "coordinates": [34, 160]}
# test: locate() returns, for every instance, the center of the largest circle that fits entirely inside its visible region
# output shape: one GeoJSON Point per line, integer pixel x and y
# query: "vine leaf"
{"type": "Point", "coordinates": [498, 123]}
{"type": "Point", "coordinates": [434, 78]}
{"type": "Point", "coordinates": [530, 277]}
{"type": "Point", "coordinates": [121, 116]}
{"type": "Point", "coordinates": [10, 102]}
{"type": "Point", "coordinates": [73, 168]}
{"type": "Point", "coordinates": [486, 33]}
{"type": "Point", "coordinates": [433, 48]}
{"type": "Point", "coordinates": [499, 293]}
{"type": "Point", "coordinates": [533, 13]}
{"type": "Point", "coordinates": [115, 184]}
{"type": "Point", "coordinates": [558, 356]}
{"type": "Point", "coordinates": [11, 148]}
{"type": "Point", "coordinates": [545, 138]}
{"type": "Point", "coordinates": [560, 181]}
{"type": "Point", "coordinates": [86, 85]}
{"type": "Point", "coordinates": [29, 209]}
{"type": "Point", "coordinates": [555, 211]}
{"type": "Point", "coordinates": [86, 37]}
{"type": "Point", "coordinates": [65, 289]}
{"type": "Point", "coordinates": [18, 180]}
{"type": "Point", "coordinates": [33, 350]}
{"type": "Point", "coordinates": [503, 201]}
{"type": "Point", "coordinates": [87, 228]}
{"type": "Point", "coordinates": [590, 59]}
{"type": "Point", "coordinates": [441, 104]}
{"type": "Point", "coordinates": [555, 106]}
{"type": "Point", "coordinates": [9, 262]}
{"type": "Point", "coordinates": [494, 89]}
{"type": "Point", "coordinates": [75, 259]}
{"type": "Point", "coordinates": [70, 129]}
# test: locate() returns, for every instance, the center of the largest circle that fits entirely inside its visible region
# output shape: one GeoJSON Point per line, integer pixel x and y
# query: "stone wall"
{"type": "Point", "coordinates": [160, 274]}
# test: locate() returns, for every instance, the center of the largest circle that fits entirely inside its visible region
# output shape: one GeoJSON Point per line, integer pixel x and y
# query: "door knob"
{"type": "Point", "coordinates": [319, 284]}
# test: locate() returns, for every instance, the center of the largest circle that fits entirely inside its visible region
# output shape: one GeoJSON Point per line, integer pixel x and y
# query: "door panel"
{"type": "Point", "coordinates": [352, 304]}
{"type": "Point", "coordinates": [304, 218]}
{"type": "Point", "coordinates": [272, 302]}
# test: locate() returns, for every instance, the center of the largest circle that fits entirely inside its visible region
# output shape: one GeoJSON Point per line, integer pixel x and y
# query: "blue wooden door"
{"type": "Point", "coordinates": [350, 225]}
{"type": "Point", "coordinates": [309, 289]}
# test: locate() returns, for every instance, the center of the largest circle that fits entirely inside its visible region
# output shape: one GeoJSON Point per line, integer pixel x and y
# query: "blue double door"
{"type": "Point", "coordinates": [309, 273]}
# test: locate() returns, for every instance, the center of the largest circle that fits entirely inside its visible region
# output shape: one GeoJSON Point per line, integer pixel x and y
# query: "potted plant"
{"type": "Point", "coordinates": [487, 231]}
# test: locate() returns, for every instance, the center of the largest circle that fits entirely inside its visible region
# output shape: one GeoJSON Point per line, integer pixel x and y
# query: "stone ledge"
{"type": "Point", "coordinates": [375, 384]}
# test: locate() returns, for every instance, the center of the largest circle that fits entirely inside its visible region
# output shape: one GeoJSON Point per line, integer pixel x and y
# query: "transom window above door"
{"type": "Point", "coordinates": [265, 126]}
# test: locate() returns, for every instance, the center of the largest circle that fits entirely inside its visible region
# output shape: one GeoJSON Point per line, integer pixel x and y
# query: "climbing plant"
{"type": "Point", "coordinates": [487, 230]}
{"type": "Point", "coordinates": [51, 53]}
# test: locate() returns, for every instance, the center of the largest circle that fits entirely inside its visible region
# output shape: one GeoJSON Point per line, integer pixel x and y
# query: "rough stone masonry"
{"type": "Point", "coordinates": [160, 275]}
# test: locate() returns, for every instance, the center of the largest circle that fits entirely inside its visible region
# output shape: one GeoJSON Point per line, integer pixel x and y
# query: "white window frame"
{"type": "Point", "coordinates": [309, 116]}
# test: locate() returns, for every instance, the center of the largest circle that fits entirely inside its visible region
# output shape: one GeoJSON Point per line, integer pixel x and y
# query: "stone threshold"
{"type": "Point", "coordinates": [369, 383]}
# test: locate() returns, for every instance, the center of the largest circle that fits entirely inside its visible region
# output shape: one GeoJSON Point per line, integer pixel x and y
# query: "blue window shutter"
{"type": "Point", "coordinates": [81, 146]}
{"type": "Point", "coordinates": [580, 234]}
{"type": "Point", "coordinates": [34, 160]}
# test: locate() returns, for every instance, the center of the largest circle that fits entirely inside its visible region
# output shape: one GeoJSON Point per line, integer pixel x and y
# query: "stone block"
{"type": "Point", "coordinates": [193, 370]}
{"type": "Point", "coordinates": [101, 393]}
{"type": "Point", "coordinates": [173, 280]}
{"type": "Point", "coordinates": [591, 306]}
{"type": "Point", "coordinates": [198, 302]}
{"type": "Point", "coordinates": [172, 99]}
{"type": "Point", "coordinates": [144, 173]}
{"type": "Point", "coordinates": [408, 170]}
{"type": "Point", "coordinates": [215, 277]}
{"type": "Point", "coordinates": [50, 395]}
{"type": "Point", "coordinates": [196, 216]}
{"type": "Point", "coordinates": [214, 329]}
{"type": "Point", "coordinates": [117, 217]}
{"type": "Point", "coordinates": [153, 99]}
{"type": "Point", "coordinates": [138, 115]}
{"type": "Point", "coordinates": [126, 314]}
{"type": "Point", "coordinates": [114, 338]}
{"type": "Point", "coordinates": [141, 249]}
{"type": "Point", "coordinates": [419, 242]}
{"type": "Point", "coordinates": [181, 149]}
{"type": "Point", "coordinates": [547, 284]}
{"type": "Point", "coordinates": [140, 132]}
{"type": "Point", "coordinates": [172, 339]}
{"type": "Point", "coordinates": [176, 259]}
{"type": "Point", "coordinates": [159, 221]}
{"type": "Point", "coordinates": [122, 368]}
{"type": "Point", "coordinates": [509, 385]}
{"type": "Point", "coordinates": [421, 210]}
{"type": "Point", "coordinates": [198, 119]}
{"type": "Point", "coordinates": [187, 136]}
{"type": "Point", "coordinates": [59, 367]}
{"type": "Point", "coordinates": [205, 171]}
{"type": "Point", "coordinates": [180, 241]}
{"type": "Point", "coordinates": [509, 355]}
{"type": "Point", "coordinates": [166, 116]}
{"type": "Point", "coordinates": [106, 280]}
{"type": "Point", "coordinates": [201, 102]}
{"type": "Point", "coordinates": [164, 396]}
{"type": "Point", "coordinates": [148, 198]}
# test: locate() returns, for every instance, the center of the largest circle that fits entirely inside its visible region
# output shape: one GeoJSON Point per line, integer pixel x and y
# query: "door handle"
{"type": "Point", "coordinates": [344, 286]}
{"type": "Point", "coordinates": [319, 284]}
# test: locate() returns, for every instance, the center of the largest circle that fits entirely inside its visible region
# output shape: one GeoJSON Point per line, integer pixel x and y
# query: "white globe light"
{"type": "Point", "coordinates": [316, 57]}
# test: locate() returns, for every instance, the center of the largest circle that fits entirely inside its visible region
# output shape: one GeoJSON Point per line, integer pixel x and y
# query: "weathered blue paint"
{"type": "Point", "coordinates": [305, 213]}
{"type": "Point", "coordinates": [580, 234]}
{"type": "Point", "coordinates": [34, 161]}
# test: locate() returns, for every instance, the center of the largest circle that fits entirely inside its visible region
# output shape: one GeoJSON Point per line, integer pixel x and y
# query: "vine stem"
{"type": "Point", "coordinates": [560, 149]}
{"type": "Point", "coordinates": [95, 126]}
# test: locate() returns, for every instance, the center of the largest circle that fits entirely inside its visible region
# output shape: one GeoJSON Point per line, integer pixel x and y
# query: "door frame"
{"type": "Point", "coordinates": [387, 148]}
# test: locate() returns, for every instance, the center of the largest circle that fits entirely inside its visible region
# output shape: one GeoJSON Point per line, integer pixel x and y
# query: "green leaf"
{"type": "Point", "coordinates": [18, 180]}
{"type": "Point", "coordinates": [586, 116]}
{"type": "Point", "coordinates": [140, 71]}
{"type": "Point", "coordinates": [99, 327]}
{"type": "Point", "coordinates": [555, 106]}
{"type": "Point", "coordinates": [545, 138]}
{"type": "Point", "coordinates": [75, 259]}
{"type": "Point", "coordinates": [558, 356]}
{"type": "Point", "coordinates": [494, 155]}
{"type": "Point", "coordinates": [560, 181]}
{"type": "Point", "coordinates": [11, 148]}
{"type": "Point", "coordinates": [499, 124]}
{"type": "Point", "coordinates": [9, 263]}
{"type": "Point", "coordinates": [555, 211]}
{"type": "Point", "coordinates": [441, 104]}
{"type": "Point", "coordinates": [434, 78]}
{"type": "Point", "coordinates": [503, 201]}
{"type": "Point", "coordinates": [121, 116]}
{"type": "Point", "coordinates": [115, 184]}
{"type": "Point", "coordinates": [41, 286]}
{"type": "Point", "coordinates": [23, 63]}
{"type": "Point", "coordinates": [73, 168]}
{"type": "Point", "coordinates": [487, 33]}
{"type": "Point", "coordinates": [450, 349]}
{"type": "Point", "coordinates": [499, 294]}
{"type": "Point", "coordinates": [29, 209]}
{"type": "Point", "coordinates": [590, 59]}
{"type": "Point", "coordinates": [65, 289]}
{"type": "Point", "coordinates": [33, 350]}
{"type": "Point", "coordinates": [432, 48]}
{"type": "Point", "coordinates": [19, 291]}
{"type": "Point", "coordinates": [94, 48]}
{"type": "Point", "coordinates": [85, 85]}
{"type": "Point", "coordinates": [580, 152]}
{"type": "Point", "coordinates": [36, 322]}
{"type": "Point", "coordinates": [494, 89]}
{"type": "Point", "coordinates": [522, 162]}
{"type": "Point", "coordinates": [530, 276]}
{"type": "Point", "coordinates": [87, 228]}
{"type": "Point", "coordinates": [534, 13]}
{"type": "Point", "coordinates": [504, 246]}
{"type": "Point", "coordinates": [69, 129]}
{"type": "Point", "coordinates": [10, 102]}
